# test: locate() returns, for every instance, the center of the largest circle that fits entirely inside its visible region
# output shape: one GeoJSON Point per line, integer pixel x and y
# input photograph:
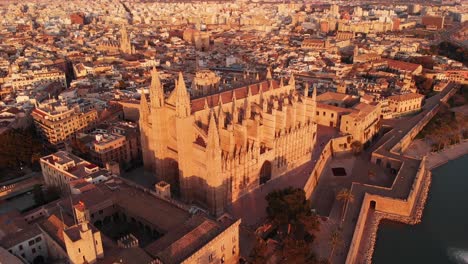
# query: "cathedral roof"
{"type": "Point", "coordinates": [226, 96]}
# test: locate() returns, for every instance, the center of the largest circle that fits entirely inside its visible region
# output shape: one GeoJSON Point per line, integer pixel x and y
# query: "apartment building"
{"type": "Point", "coordinates": [405, 103]}
{"type": "Point", "coordinates": [363, 122]}
{"type": "Point", "coordinates": [58, 121]}
{"type": "Point", "coordinates": [118, 142]}
{"type": "Point", "coordinates": [27, 244]}
{"type": "Point", "coordinates": [62, 168]}
{"type": "Point", "coordinates": [39, 77]}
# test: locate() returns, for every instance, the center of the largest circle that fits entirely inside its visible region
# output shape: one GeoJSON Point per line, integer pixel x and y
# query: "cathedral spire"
{"type": "Point", "coordinates": [235, 111]}
{"type": "Point", "coordinates": [260, 92]}
{"type": "Point", "coordinates": [214, 177]}
{"type": "Point", "coordinates": [268, 76]}
{"type": "Point", "coordinates": [221, 115]}
{"type": "Point", "coordinates": [314, 104]}
{"type": "Point", "coordinates": [234, 96]}
{"type": "Point", "coordinates": [281, 82]}
{"type": "Point", "coordinates": [292, 81]}
{"type": "Point", "coordinates": [314, 95]}
{"type": "Point", "coordinates": [247, 105]}
{"type": "Point", "coordinates": [206, 103]}
{"type": "Point", "coordinates": [156, 90]}
{"type": "Point", "coordinates": [248, 109]}
{"type": "Point", "coordinates": [213, 136]}
{"type": "Point", "coordinates": [182, 98]}
{"type": "Point", "coordinates": [270, 87]}
{"type": "Point", "coordinates": [144, 109]}
{"type": "Point", "coordinates": [257, 77]}
{"type": "Point", "coordinates": [306, 89]}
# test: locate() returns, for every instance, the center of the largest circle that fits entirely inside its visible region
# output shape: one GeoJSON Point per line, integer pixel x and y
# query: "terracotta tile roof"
{"type": "Point", "coordinates": [179, 244]}
{"type": "Point", "coordinates": [402, 65]}
{"type": "Point", "coordinates": [136, 202]}
{"type": "Point", "coordinates": [11, 222]}
{"type": "Point", "coordinates": [54, 227]}
{"type": "Point", "coordinates": [333, 108]}
{"type": "Point", "coordinates": [19, 237]}
{"type": "Point", "coordinates": [405, 97]}
{"type": "Point", "coordinates": [332, 96]}
{"type": "Point", "coordinates": [226, 96]}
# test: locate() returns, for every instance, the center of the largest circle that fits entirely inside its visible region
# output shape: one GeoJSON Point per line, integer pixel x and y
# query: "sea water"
{"type": "Point", "coordinates": [442, 236]}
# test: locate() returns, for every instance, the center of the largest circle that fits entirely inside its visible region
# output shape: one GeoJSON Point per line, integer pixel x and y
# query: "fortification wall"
{"type": "Point", "coordinates": [408, 138]}
{"type": "Point", "coordinates": [322, 161]}
{"type": "Point", "coordinates": [359, 230]}
{"type": "Point", "coordinates": [333, 146]}
{"type": "Point", "coordinates": [403, 208]}
{"type": "Point", "coordinates": [407, 210]}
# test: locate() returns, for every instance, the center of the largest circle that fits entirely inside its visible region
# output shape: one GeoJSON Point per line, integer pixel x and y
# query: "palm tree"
{"type": "Point", "coordinates": [335, 241]}
{"type": "Point", "coordinates": [346, 197]}
{"type": "Point", "coordinates": [356, 147]}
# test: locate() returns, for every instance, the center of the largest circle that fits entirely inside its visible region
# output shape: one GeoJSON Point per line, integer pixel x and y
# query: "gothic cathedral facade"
{"type": "Point", "coordinates": [216, 148]}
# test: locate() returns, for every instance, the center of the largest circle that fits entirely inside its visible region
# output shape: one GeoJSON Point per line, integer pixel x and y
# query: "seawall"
{"type": "Point", "coordinates": [433, 160]}
{"type": "Point", "coordinates": [404, 206]}
{"type": "Point", "coordinates": [403, 201]}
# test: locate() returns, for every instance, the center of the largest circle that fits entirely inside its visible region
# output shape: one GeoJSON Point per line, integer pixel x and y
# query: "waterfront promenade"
{"type": "Point", "coordinates": [436, 159]}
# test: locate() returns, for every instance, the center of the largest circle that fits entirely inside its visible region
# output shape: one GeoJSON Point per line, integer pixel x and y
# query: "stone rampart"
{"type": "Point", "coordinates": [403, 208]}
{"type": "Point", "coordinates": [333, 146]}
{"type": "Point", "coordinates": [400, 201]}
{"type": "Point", "coordinates": [404, 143]}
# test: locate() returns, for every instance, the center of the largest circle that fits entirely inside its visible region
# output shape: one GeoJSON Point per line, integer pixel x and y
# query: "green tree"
{"type": "Point", "coordinates": [345, 196]}
{"type": "Point", "coordinates": [38, 195]}
{"type": "Point", "coordinates": [19, 148]}
{"type": "Point", "coordinates": [336, 240]}
{"type": "Point", "coordinates": [48, 195]}
{"type": "Point", "coordinates": [285, 206]}
{"type": "Point", "coordinates": [297, 251]}
{"type": "Point", "coordinates": [356, 147]}
{"type": "Point", "coordinates": [311, 222]}
{"type": "Point", "coordinates": [259, 252]}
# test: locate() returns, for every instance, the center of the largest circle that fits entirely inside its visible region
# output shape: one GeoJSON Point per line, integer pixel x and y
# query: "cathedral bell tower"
{"type": "Point", "coordinates": [159, 127]}
{"type": "Point", "coordinates": [214, 179]}
{"type": "Point", "coordinates": [145, 133]}
{"type": "Point", "coordinates": [184, 123]}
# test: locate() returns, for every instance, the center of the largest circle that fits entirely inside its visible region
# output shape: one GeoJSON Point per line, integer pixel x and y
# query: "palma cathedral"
{"type": "Point", "coordinates": [216, 147]}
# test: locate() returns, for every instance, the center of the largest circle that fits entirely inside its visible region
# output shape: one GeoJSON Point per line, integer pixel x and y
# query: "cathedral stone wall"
{"type": "Point", "coordinates": [216, 148]}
